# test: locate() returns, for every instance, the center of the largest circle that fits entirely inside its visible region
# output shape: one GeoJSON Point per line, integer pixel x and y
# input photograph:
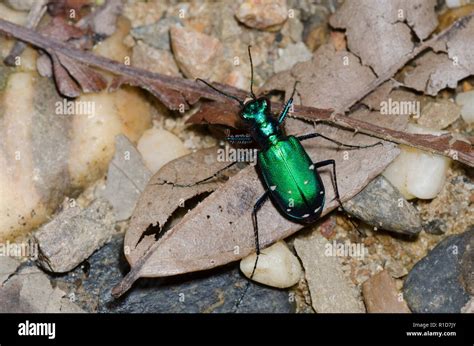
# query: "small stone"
{"type": "Point", "coordinates": [438, 283]}
{"type": "Point", "coordinates": [381, 295]}
{"type": "Point", "coordinates": [158, 147]}
{"type": "Point", "coordinates": [466, 101]}
{"type": "Point", "coordinates": [380, 205]}
{"type": "Point", "coordinates": [142, 13]}
{"type": "Point", "coordinates": [154, 60]}
{"type": "Point", "coordinates": [126, 178]}
{"type": "Point", "coordinates": [156, 34]}
{"type": "Point", "coordinates": [330, 290]}
{"type": "Point", "coordinates": [291, 55]}
{"type": "Point", "coordinates": [456, 3]}
{"type": "Point", "coordinates": [417, 173]}
{"type": "Point", "coordinates": [395, 268]}
{"type": "Point", "coordinates": [276, 267]}
{"type": "Point", "coordinates": [439, 115]}
{"type": "Point", "coordinates": [435, 226]}
{"type": "Point", "coordinates": [263, 14]}
{"type": "Point", "coordinates": [73, 235]}
{"type": "Point", "coordinates": [198, 55]}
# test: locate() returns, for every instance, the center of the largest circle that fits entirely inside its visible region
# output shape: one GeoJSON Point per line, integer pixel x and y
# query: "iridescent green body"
{"type": "Point", "coordinates": [288, 172]}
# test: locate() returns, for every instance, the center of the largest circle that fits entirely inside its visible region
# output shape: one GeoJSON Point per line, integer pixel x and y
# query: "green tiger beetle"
{"type": "Point", "coordinates": [290, 177]}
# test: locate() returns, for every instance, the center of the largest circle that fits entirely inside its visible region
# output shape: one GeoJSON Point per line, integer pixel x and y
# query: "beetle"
{"type": "Point", "coordinates": [290, 177]}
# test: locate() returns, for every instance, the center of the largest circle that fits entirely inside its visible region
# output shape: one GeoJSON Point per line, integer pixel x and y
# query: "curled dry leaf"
{"type": "Point", "coordinates": [219, 230]}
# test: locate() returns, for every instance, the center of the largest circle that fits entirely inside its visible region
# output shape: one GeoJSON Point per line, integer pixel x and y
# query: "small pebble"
{"type": "Point", "coordinates": [277, 266]}
{"type": "Point", "coordinates": [456, 3]}
{"type": "Point", "coordinates": [381, 295]}
{"type": "Point", "coordinates": [197, 54]}
{"type": "Point", "coordinates": [381, 205]}
{"type": "Point", "coordinates": [263, 14]}
{"type": "Point", "coordinates": [158, 147]}
{"type": "Point", "coordinates": [466, 101]}
{"type": "Point", "coordinates": [439, 115]}
{"type": "Point", "coordinates": [416, 173]}
{"type": "Point", "coordinates": [291, 55]}
{"type": "Point", "coordinates": [154, 60]}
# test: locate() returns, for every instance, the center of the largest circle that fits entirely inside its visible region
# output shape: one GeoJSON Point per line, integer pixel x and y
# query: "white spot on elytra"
{"type": "Point", "coordinates": [311, 167]}
{"type": "Point", "coordinates": [306, 182]}
{"type": "Point", "coordinates": [305, 215]}
{"type": "Point", "coordinates": [273, 187]}
{"type": "Point", "coordinates": [317, 209]}
{"type": "Point", "coordinates": [322, 192]}
{"type": "Point", "coordinates": [288, 209]}
{"type": "Point", "coordinates": [289, 191]}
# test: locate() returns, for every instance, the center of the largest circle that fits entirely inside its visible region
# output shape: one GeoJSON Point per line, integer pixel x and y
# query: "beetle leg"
{"type": "Point", "coordinates": [287, 106]}
{"type": "Point", "coordinates": [314, 135]}
{"type": "Point", "coordinates": [334, 176]}
{"type": "Point", "coordinates": [263, 198]}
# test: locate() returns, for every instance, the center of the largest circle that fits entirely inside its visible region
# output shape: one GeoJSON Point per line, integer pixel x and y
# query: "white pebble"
{"type": "Point", "coordinates": [158, 147]}
{"type": "Point", "coordinates": [466, 101]}
{"type": "Point", "coordinates": [455, 3]}
{"type": "Point", "coordinates": [416, 173]}
{"type": "Point", "coordinates": [277, 266]}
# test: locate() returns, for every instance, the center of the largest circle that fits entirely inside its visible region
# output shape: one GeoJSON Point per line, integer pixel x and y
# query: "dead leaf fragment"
{"type": "Point", "coordinates": [379, 32]}
{"type": "Point", "coordinates": [329, 80]}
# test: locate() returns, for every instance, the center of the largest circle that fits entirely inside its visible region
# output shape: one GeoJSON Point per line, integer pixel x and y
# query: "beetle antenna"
{"type": "Point", "coordinates": [251, 74]}
{"type": "Point", "coordinates": [220, 91]}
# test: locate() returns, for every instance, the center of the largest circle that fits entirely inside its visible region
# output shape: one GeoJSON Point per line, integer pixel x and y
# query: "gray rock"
{"type": "Point", "coordinates": [441, 281]}
{"type": "Point", "coordinates": [381, 205]}
{"type": "Point", "coordinates": [210, 291]}
{"type": "Point", "coordinates": [126, 178]}
{"type": "Point", "coordinates": [156, 34]}
{"type": "Point", "coordinates": [73, 235]}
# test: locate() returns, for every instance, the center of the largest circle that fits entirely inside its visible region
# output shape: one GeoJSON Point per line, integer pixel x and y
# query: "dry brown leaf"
{"type": "Point", "coordinates": [326, 81]}
{"type": "Point", "coordinates": [380, 31]}
{"type": "Point", "coordinates": [161, 199]}
{"type": "Point", "coordinates": [454, 61]}
{"type": "Point", "coordinates": [219, 230]}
